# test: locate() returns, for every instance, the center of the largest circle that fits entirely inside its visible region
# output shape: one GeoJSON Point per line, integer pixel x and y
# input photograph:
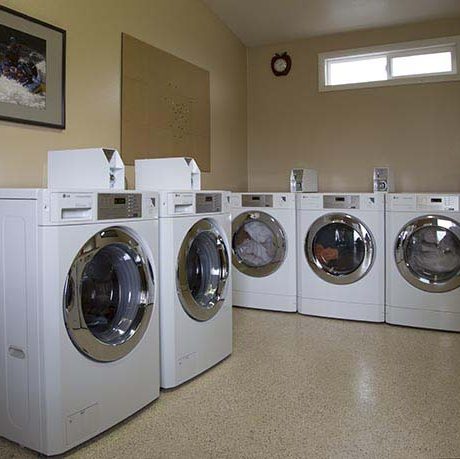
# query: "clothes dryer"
{"type": "Point", "coordinates": [423, 260]}
{"type": "Point", "coordinates": [196, 290]}
{"type": "Point", "coordinates": [341, 262]}
{"type": "Point", "coordinates": [264, 251]}
{"type": "Point", "coordinates": [79, 335]}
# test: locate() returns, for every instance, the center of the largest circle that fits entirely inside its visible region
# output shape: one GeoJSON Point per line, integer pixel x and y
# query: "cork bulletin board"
{"type": "Point", "coordinates": [165, 105]}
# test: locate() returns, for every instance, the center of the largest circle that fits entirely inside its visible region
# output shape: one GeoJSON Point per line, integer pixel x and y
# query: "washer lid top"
{"type": "Point", "coordinates": [339, 248]}
{"type": "Point", "coordinates": [108, 295]}
{"type": "Point", "coordinates": [259, 244]}
{"type": "Point", "coordinates": [427, 253]}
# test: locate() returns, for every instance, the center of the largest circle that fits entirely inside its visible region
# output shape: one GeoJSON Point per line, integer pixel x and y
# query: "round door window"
{"type": "Point", "coordinates": [259, 244]}
{"type": "Point", "coordinates": [428, 254]}
{"type": "Point", "coordinates": [202, 272]}
{"type": "Point", "coordinates": [339, 248]}
{"type": "Point", "coordinates": [108, 296]}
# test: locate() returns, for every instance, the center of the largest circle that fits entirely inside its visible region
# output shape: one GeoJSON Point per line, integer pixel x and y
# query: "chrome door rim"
{"type": "Point", "coordinates": [355, 224]}
{"type": "Point", "coordinates": [79, 333]}
{"type": "Point", "coordinates": [401, 245]}
{"type": "Point", "coordinates": [188, 302]}
{"type": "Point", "coordinates": [281, 244]}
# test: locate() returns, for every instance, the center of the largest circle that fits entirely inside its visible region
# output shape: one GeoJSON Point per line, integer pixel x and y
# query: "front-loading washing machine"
{"type": "Point", "coordinates": [423, 260]}
{"type": "Point", "coordinates": [341, 255]}
{"type": "Point", "coordinates": [79, 334]}
{"type": "Point", "coordinates": [196, 290]}
{"type": "Point", "coordinates": [264, 251]}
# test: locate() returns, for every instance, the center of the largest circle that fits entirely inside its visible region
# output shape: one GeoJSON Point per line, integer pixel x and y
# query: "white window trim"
{"type": "Point", "coordinates": [394, 50]}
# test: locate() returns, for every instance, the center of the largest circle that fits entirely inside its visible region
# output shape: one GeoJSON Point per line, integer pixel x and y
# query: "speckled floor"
{"type": "Point", "coordinates": [300, 386]}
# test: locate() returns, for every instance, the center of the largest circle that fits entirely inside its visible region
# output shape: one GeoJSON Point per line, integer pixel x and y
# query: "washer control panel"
{"type": "Point", "coordinates": [206, 203]}
{"type": "Point", "coordinates": [346, 201]}
{"type": "Point", "coordinates": [432, 202]}
{"type": "Point", "coordinates": [257, 200]}
{"type": "Point", "coordinates": [423, 202]}
{"type": "Point", "coordinates": [111, 206]}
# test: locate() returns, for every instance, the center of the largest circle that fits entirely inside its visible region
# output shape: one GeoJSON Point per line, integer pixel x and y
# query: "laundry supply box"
{"type": "Point", "coordinates": [86, 169]}
{"type": "Point", "coordinates": [167, 174]}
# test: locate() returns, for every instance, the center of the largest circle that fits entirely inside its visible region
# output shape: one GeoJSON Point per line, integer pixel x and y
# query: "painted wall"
{"type": "Point", "coordinates": [185, 28]}
{"type": "Point", "coordinates": [414, 129]}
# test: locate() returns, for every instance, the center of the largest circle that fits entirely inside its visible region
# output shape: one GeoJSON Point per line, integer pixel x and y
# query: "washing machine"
{"type": "Point", "coordinates": [423, 260]}
{"type": "Point", "coordinates": [341, 255]}
{"type": "Point", "coordinates": [264, 251]}
{"type": "Point", "coordinates": [79, 335]}
{"type": "Point", "coordinates": [196, 291]}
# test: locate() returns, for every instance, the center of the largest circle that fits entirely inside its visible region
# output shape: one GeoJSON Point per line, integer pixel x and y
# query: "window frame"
{"type": "Point", "coordinates": [390, 51]}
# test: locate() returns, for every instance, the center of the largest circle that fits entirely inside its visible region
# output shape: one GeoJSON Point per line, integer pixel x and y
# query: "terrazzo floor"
{"type": "Point", "coordinates": [300, 386]}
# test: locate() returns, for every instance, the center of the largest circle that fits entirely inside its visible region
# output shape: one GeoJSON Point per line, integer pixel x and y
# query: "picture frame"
{"type": "Point", "coordinates": [32, 70]}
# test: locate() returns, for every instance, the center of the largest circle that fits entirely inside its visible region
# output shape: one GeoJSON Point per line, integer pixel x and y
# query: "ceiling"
{"type": "Point", "coordinates": [258, 22]}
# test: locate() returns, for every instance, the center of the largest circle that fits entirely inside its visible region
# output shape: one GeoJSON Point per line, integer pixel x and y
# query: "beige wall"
{"type": "Point", "coordinates": [185, 28]}
{"type": "Point", "coordinates": [414, 129]}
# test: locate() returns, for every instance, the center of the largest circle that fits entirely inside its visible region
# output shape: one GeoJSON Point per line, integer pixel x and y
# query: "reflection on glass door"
{"type": "Point", "coordinates": [108, 295]}
{"type": "Point", "coordinates": [202, 272]}
{"type": "Point", "coordinates": [339, 248]}
{"type": "Point", "coordinates": [428, 253]}
{"type": "Point", "coordinates": [259, 244]}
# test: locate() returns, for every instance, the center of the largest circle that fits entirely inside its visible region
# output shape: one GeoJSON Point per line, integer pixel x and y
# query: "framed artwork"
{"type": "Point", "coordinates": [32, 70]}
{"type": "Point", "coordinates": [165, 105]}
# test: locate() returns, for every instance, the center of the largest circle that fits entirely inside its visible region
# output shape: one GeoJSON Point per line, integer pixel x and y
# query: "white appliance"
{"type": "Point", "coordinates": [79, 341]}
{"type": "Point", "coordinates": [167, 174]}
{"type": "Point", "coordinates": [86, 168]}
{"type": "Point", "coordinates": [341, 255]}
{"type": "Point", "coordinates": [264, 251]}
{"type": "Point", "coordinates": [303, 180]}
{"type": "Point", "coordinates": [196, 291]}
{"type": "Point", "coordinates": [423, 260]}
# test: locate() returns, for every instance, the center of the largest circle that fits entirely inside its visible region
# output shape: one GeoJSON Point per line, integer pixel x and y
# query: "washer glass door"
{"type": "Point", "coordinates": [259, 244]}
{"type": "Point", "coordinates": [202, 271]}
{"type": "Point", "coordinates": [427, 253]}
{"type": "Point", "coordinates": [109, 294]}
{"type": "Point", "coordinates": [339, 248]}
